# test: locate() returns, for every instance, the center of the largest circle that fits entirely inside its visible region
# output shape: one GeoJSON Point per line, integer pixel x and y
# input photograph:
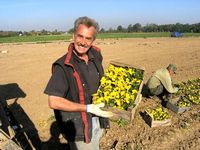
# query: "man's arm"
{"type": "Point", "coordinates": [168, 84]}
{"type": "Point", "coordinates": [63, 104]}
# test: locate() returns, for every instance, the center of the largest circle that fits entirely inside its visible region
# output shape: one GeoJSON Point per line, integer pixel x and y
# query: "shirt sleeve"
{"type": "Point", "coordinates": [57, 85]}
{"type": "Point", "coordinates": [167, 82]}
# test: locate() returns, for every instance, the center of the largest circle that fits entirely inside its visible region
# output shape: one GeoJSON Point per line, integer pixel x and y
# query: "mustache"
{"type": "Point", "coordinates": [83, 45]}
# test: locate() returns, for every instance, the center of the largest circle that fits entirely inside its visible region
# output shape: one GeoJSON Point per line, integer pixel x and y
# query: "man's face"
{"type": "Point", "coordinates": [83, 38]}
{"type": "Point", "coordinates": [171, 72]}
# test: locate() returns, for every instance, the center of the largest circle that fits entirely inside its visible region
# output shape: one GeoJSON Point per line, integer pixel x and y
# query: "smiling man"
{"type": "Point", "coordinates": [75, 77]}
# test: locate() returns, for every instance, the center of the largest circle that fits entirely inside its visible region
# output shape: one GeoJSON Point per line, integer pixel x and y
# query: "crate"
{"type": "Point", "coordinates": [125, 114]}
{"type": "Point", "coordinates": [155, 123]}
{"type": "Point", "coordinates": [6, 143]}
{"type": "Point", "coordinates": [171, 104]}
{"type": "Point", "coordinates": [130, 112]}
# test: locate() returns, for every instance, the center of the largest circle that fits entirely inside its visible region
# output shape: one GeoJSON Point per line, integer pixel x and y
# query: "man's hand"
{"type": "Point", "coordinates": [96, 109]}
{"type": "Point", "coordinates": [176, 88]}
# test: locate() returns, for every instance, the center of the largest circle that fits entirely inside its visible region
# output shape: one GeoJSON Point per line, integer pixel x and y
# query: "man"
{"type": "Point", "coordinates": [160, 83]}
{"type": "Point", "coordinates": [75, 77]}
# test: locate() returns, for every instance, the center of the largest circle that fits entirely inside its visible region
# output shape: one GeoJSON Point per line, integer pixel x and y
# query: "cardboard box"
{"type": "Point", "coordinates": [172, 105]}
{"type": "Point", "coordinates": [155, 123]}
{"type": "Point", "coordinates": [130, 112]}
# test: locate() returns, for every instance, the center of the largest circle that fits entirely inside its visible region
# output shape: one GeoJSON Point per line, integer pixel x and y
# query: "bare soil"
{"type": "Point", "coordinates": [26, 69]}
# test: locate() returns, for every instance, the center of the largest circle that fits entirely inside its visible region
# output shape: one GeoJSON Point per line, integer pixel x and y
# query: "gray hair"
{"type": "Point", "coordinates": [87, 22]}
{"type": "Point", "coordinates": [172, 67]}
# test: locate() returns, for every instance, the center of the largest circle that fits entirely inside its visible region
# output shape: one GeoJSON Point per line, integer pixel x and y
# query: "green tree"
{"type": "Point", "coordinates": [130, 28]}
{"type": "Point", "coordinates": [102, 30]}
{"type": "Point", "coordinates": [71, 30]}
{"type": "Point", "coordinates": [43, 32]}
{"type": "Point", "coordinates": [137, 27]}
{"type": "Point", "coordinates": [119, 28]}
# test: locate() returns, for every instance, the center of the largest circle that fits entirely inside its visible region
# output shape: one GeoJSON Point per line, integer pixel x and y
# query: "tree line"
{"type": "Point", "coordinates": [189, 28]}
{"type": "Point", "coordinates": [30, 33]}
{"type": "Point", "coordinates": [185, 28]}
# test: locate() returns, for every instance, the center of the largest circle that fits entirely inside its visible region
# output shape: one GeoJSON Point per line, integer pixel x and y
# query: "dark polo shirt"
{"type": "Point", "coordinates": [58, 86]}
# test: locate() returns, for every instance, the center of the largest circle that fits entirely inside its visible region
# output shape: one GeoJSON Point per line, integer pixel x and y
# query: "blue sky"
{"type": "Point", "coordinates": [26, 15]}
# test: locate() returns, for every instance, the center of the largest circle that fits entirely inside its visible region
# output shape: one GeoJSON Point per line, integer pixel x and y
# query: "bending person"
{"type": "Point", "coordinates": [160, 83]}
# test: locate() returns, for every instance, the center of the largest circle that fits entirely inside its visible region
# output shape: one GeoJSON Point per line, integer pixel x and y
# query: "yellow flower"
{"type": "Point", "coordinates": [118, 87]}
{"type": "Point", "coordinates": [131, 71]}
{"type": "Point", "coordinates": [103, 80]}
{"type": "Point", "coordinates": [118, 102]}
{"type": "Point", "coordinates": [134, 91]}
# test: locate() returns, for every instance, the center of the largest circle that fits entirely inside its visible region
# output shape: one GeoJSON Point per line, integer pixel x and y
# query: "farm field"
{"type": "Point", "coordinates": [66, 37]}
{"type": "Point", "coordinates": [28, 67]}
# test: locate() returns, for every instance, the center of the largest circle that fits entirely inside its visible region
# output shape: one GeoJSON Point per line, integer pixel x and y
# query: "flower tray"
{"type": "Point", "coordinates": [130, 112]}
{"type": "Point", "coordinates": [155, 123]}
{"type": "Point", "coordinates": [124, 114]}
{"type": "Point", "coordinates": [172, 105]}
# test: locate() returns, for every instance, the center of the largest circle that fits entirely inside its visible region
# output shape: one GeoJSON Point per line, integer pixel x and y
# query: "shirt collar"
{"type": "Point", "coordinates": [90, 55]}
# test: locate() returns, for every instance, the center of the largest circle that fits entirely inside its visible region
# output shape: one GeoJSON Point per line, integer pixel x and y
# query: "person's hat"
{"type": "Point", "coordinates": [172, 67]}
